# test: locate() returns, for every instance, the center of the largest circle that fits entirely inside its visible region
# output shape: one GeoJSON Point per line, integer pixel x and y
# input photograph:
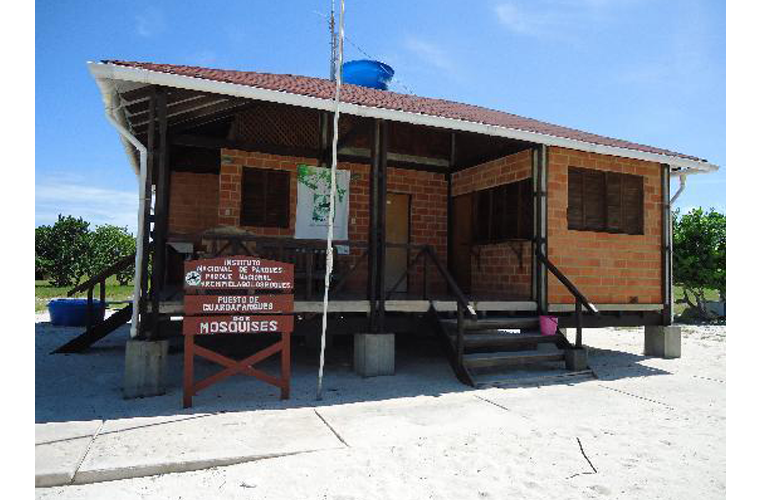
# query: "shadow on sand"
{"type": "Point", "coordinates": [77, 387]}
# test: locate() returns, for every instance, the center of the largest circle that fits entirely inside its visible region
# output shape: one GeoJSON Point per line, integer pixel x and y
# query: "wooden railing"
{"type": "Point", "coordinates": [580, 299]}
{"type": "Point", "coordinates": [100, 280]}
{"type": "Point", "coordinates": [308, 257]}
{"type": "Point", "coordinates": [426, 253]}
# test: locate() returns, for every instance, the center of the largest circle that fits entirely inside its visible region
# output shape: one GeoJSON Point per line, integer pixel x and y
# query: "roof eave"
{"type": "Point", "coordinates": [137, 75]}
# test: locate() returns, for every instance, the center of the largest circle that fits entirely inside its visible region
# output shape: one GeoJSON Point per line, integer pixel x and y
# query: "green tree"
{"type": "Point", "coordinates": [700, 251]}
{"type": "Point", "coordinates": [108, 245]}
{"type": "Point", "coordinates": [61, 250]}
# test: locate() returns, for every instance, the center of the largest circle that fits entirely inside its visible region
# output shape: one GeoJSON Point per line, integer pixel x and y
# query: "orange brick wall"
{"type": "Point", "coordinates": [193, 202]}
{"type": "Point", "coordinates": [499, 270]}
{"type": "Point", "coordinates": [428, 204]}
{"type": "Point", "coordinates": [607, 268]}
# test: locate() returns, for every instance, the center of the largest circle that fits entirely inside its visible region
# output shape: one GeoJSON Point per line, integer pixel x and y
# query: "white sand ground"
{"type": "Point", "coordinates": [648, 428]}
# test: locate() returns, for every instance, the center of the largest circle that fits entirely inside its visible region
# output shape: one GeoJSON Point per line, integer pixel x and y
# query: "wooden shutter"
{"type": "Point", "coordinates": [575, 199]}
{"type": "Point", "coordinates": [512, 208]}
{"type": "Point", "coordinates": [526, 206]}
{"type": "Point", "coordinates": [614, 205]}
{"type": "Point", "coordinates": [265, 198]}
{"type": "Point", "coordinates": [633, 204]}
{"type": "Point", "coordinates": [498, 213]}
{"type": "Point", "coordinates": [594, 204]}
{"type": "Point", "coordinates": [481, 215]}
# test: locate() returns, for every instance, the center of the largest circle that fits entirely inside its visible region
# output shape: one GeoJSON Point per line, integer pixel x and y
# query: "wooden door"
{"type": "Point", "coordinates": [462, 237]}
{"type": "Point", "coordinates": [396, 231]}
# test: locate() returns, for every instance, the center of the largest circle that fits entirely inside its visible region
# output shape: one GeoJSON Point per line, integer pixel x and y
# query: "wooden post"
{"type": "Point", "coordinates": [540, 184]}
{"type": "Point", "coordinates": [144, 325]}
{"type": "Point", "coordinates": [668, 301]}
{"type": "Point", "coordinates": [381, 224]}
{"type": "Point", "coordinates": [285, 364]}
{"type": "Point", "coordinates": [102, 292]}
{"type": "Point", "coordinates": [373, 218]}
{"type": "Point", "coordinates": [424, 275]}
{"type": "Point", "coordinates": [189, 369]}
{"type": "Point", "coordinates": [89, 308]}
{"type": "Point", "coordinates": [449, 211]}
{"type": "Point", "coordinates": [578, 324]}
{"type": "Point", "coordinates": [460, 339]}
{"type": "Point", "coordinates": [161, 213]}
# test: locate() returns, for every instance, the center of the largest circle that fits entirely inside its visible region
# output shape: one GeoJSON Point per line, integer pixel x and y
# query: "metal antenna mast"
{"type": "Point", "coordinates": [333, 65]}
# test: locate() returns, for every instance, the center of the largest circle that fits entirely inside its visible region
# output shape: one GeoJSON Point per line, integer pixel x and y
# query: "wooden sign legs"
{"type": "Point", "coordinates": [234, 367]}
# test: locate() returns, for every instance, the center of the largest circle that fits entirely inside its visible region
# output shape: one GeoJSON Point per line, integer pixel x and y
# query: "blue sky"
{"type": "Point", "coordinates": [651, 71]}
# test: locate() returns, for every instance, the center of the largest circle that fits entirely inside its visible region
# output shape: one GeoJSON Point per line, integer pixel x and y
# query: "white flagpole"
{"type": "Point", "coordinates": [332, 201]}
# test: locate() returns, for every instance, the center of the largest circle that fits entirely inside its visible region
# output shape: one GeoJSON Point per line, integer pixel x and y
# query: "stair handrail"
{"type": "Point", "coordinates": [114, 268]}
{"type": "Point", "coordinates": [425, 252]}
{"type": "Point", "coordinates": [100, 279]}
{"type": "Point", "coordinates": [580, 299]}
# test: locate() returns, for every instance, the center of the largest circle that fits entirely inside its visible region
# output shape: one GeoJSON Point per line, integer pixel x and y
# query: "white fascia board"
{"type": "Point", "coordinates": [107, 90]}
{"type": "Point", "coordinates": [124, 73]}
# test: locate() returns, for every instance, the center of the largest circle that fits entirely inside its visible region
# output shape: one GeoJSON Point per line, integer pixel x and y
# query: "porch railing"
{"type": "Point", "coordinates": [308, 257]}
{"type": "Point", "coordinates": [427, 253]}
{"type": "Point", "coordinates": [580, 299]}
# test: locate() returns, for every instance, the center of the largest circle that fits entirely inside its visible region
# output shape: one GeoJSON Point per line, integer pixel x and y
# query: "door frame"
{"type": "Point", "coordinates": [408, 231]}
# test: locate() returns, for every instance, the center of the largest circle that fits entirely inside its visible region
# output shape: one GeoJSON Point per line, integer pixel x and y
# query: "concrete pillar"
{"type": "Point", "coordinates": [374, 354]}
{"type": "Point", "coordinates": [663, 341]}
{"type": "Point", "coordinates": [145, 373]}
{"type": "Point", "coordinates": [576, 359]}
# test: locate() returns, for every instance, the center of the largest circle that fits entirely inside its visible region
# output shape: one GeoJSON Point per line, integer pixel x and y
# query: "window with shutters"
{"type": "Point", "coordinates": [503, 212]}
{"type": "Point", "coordinates": [265, 198]}
{"type": "Point", "coordinates": [605, 201]}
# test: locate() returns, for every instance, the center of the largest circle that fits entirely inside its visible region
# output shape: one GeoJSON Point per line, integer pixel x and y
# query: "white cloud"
{"type": "Point", "coordinates": [431, 54]}
{"type": "Point", "coordinates": [150, 22]}
{"type": "Point", "coordinates": [552, 18]}
{"type": "Point", "coordinates": [94, 204]}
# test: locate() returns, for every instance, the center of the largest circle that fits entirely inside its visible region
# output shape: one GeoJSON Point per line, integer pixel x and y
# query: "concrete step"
{"type": "Point", "coordinates": [498, 323]}
{"type": "Point", "coordinates": [543, 353]}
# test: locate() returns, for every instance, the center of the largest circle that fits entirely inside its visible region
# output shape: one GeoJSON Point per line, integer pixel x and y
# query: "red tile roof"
{"type": "Point", "coordinates": [354, 94]}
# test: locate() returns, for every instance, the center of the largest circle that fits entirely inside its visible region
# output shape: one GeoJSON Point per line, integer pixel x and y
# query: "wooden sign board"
{"type": "Point", "coordinates": [237, 315]}
{"type": "Point", "coordinates": [239, 272]}
{"type": "Point", "coordinates": [215, 325]}
{"type": "Point", "coordinates": [195, 305]}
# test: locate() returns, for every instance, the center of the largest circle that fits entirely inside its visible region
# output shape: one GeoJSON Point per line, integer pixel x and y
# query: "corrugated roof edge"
{"type": "Point", "coordinates": [312, 92]}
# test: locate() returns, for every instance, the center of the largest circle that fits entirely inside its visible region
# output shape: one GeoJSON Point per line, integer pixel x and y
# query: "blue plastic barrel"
{"type": "Point", "coordinates": [73, 312]}
{"type": "Point", "coordinates": [367, 73]}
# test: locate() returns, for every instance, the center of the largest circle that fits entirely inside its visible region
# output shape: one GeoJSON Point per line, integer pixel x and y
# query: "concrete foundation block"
{"type": "Point", "coordinates": [374, 354]}
{"type": "Point", "coordinates": [576, 359]}
{"type": "Point", "coordinates": [663, 341]}
{"type": "Point", "coordinates": [145, 373]}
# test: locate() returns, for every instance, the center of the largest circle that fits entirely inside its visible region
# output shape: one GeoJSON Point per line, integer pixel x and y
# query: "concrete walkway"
{"type": "Point", "coordinates": [90, 452]}
{"type": "Point", "coordinates": [94, 451]}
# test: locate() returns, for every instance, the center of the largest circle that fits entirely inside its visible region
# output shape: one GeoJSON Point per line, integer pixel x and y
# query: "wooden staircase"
{"type": "Point", "coordinates": [495, 345]}
{"type": "Point", "coordinates": [97, 332]}
{"type": "Point", "coordinates": [101, 329]}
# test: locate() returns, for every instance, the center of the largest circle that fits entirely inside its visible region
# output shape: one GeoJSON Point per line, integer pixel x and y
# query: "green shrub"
{"type": "Point", "coordinates": [61, 250]}
{"type": "Point", "coordinates": [68, 251]}
{"type": "Point", "coordinates": [108, 245]}
{"type": "Point", "coordinates": [700, 251]}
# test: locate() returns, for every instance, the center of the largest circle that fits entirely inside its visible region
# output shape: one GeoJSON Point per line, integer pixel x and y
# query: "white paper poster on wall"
{"type": "Point", "coordinates": [313, 187]}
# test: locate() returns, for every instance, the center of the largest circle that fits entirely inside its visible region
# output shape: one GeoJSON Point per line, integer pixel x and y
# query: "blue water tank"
{"type": "Point", "coordinates": [73, 312]}
{"type": "Point", "coordinates": [367, 73]}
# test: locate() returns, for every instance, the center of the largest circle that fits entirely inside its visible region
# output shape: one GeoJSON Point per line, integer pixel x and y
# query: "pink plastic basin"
{"type": "Point", "coordinates": [548, 325]}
